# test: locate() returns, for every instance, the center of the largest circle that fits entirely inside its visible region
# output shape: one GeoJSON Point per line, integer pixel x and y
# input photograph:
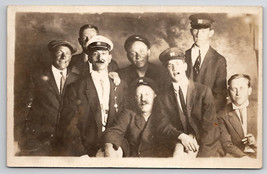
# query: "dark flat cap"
{"type": "Point", "coordinates": [55, 43]}
{"type": "Point", "coordinates": [201, 20]}
{"type": "Point", "coordinates": [100, 42]}
{"type": "Point", "coordinates": [171, 53]}
{"type": "Point", "coordinates": [144, 81]}
{"type": "Point", "coordinates": [134, 38]}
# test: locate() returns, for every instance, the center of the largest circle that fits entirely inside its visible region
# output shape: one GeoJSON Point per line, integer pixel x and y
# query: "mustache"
{"type": "Point", "coordinates": [100, 61]}
{"type": "Point", "coordinates": [144, 102]}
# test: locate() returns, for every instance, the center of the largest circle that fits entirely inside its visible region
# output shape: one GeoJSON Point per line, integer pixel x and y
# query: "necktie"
{"type": "Point", "coordinates": [183, 105]}
{"type": "Point", "coordinates": [62, 82]}
{"type": "Point", "coordinates": [241, 115]}
{"type": "Point", "coordinates": [103, 108]}
{"type": "Point", "coordinates": [196, 66]}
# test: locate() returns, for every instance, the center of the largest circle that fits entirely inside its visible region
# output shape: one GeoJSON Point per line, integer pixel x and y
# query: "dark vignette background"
{"type": "Point", "coordinates": [235, 37]}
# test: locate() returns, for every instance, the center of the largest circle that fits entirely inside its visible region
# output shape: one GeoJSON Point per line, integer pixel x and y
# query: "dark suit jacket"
{"type": "Point", "coordinates": [139, 134]}
{"type": "Point", "coordinates": [77, 61]}
{"type": "Point", "coordinates": [81, 103]}
{"type": "Point", "coordinates": [231, 129]}
{"type": "Point", "coordinates": [212, 74]}
{"type": "Point", "coordinates": [155, 72]}
{"type": "Point", "coordinates": [201, 118]}
{"type": "Point", "coordinates": [42, 119]}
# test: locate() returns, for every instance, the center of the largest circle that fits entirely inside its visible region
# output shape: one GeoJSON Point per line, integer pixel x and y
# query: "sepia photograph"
{"type": "Point", "coordinates": [134, 86]}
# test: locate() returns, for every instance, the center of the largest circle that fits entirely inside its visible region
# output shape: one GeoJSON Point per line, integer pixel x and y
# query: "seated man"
{"type": "Point", "coordinates": [189, 123]}
{"type": "Point", "coordinates": [237, 121]}
{"type": "Point", "coordinates": [135, 127]}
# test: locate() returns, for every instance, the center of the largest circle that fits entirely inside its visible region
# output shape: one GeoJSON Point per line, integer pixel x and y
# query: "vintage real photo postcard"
{"type": "Point", "coordinates": [134, 86]}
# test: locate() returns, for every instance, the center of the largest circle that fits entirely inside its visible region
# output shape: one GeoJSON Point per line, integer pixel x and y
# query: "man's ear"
{"type": "Point", "coordinates": [110, 57]}
{"type": "Point", "coordinates": [249, 91]}
{"type": "Point", "coordinates": [185, 66]}
{"type": "Point", "coordinates": [211, 33]}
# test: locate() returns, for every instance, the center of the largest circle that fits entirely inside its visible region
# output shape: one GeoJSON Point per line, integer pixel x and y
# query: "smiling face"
{"type": "Point", "coordinates": [239, 91]}
{"type": "Point", "coordinates": [100, 59]}
{"type": "Point", "coordinates": [176, 69]}
{"type": "Point", "coordinates": [86, 35]}
{"type": "Point", "coordinates": [61, 56]}
{"type": "Point", "coordinates": [202, 36]}
{"type": "Point", "coordinates": [145, 98]}
{"type": "Point", "coordinates": [138, 54]}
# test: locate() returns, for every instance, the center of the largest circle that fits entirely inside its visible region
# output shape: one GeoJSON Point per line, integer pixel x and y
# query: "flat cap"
{"type": "Point", "coordinates": [130, 40]}
{"type": "Point", "coordinates": [100, 42]}
{"type": "Point", "coordinates": [55, 43]}
{"type": "Point", "coordinates": [201, 20]}
{"type": "Point", "coordinates": [171, 53]}
{"type": "Point", "coordinates": [144, 81]}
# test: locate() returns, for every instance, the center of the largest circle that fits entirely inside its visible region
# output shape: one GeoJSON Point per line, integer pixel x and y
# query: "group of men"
{"type": "Point", "coordinates": [85, 105]}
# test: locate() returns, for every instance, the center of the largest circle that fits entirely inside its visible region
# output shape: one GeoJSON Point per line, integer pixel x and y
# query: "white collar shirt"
{"type": "Point", "coordinates": [195, 53]}
{"type": "Point", "coordinates": [244, 119]}
{"type": "Point", "coordinates": [102, 85]}
{"type": "Point", "coordinates": [57, 75]}
{"type": "Point", "coordinates": [184, 87]}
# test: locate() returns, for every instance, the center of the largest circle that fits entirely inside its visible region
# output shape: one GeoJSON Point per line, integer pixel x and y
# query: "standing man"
{"type": "Point", "coordinates": [189, 117]}
{"type": "Point", "coordinates": [136, 127]}
{"type": "Point", "coordinates": [46, 90]}
{"type": "Point", "coordinates": [80, 61]}
{"type": "Point", "coordinates": [238, 120]}
{"type": "Point", "coordinates": [92, 103]}
{"type": "Point", "coordinates": [205, 64]}
{"type": "Point", "coordinates": [138, 52]}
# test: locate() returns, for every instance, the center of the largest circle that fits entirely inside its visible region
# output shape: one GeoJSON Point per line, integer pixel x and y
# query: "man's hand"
{"type": "Point", "coordinates": [249, 140]}
{"type": "Point", "coordinates": [116, 78]}
{"type": "Point", "coordinates": [189, 142]}
{"type": "Point", "coordinates": [111, 152]}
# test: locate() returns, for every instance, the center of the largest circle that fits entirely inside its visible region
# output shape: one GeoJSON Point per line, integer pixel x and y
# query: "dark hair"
{"type": "Point", "coordinates": [238, 76]}
{"type": "Point", "coordinates": [86, 26]}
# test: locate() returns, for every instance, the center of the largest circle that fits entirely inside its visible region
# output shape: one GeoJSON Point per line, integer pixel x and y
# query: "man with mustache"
{"type": "Point", "coordinates": [238, 119]}
{"type": "Point", "coordinates": [138, 52]}
{"type": "Point", "coordinates": [189, 124]}
{"type": "Point", "coordinates": [91, 104]}
{"type": "Point", "coordinates": [133, 132]}
{"type": "Point", "coordinates": [205, 64]}
{"type": "Point", "coordinates": [46, 90]}
{"type": "Point", "coordinates": [80, 61]}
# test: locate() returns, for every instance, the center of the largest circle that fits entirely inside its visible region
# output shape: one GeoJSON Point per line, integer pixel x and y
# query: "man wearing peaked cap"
{"type": "Point", "coordinates": [205, 64]}
{"type": "Point", "coordinates": [80, 61]}
{"type": "Point", "coordinates": [138, 53]}
{"type": "Point", "coordinates": [189, 124]}
{"type": "Point", "coordinates": [95, 100]}
{"type": "Point", "coordinates": [46, 90]}
{"type": "Point", "coordinates": [133, 133]}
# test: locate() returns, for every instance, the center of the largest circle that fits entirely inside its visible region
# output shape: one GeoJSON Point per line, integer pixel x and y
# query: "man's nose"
{"type": "Point", "coordinates": [197, 33]}
{"type": "Point", "coordinates": [237, 92]}
{"type": "Point", "coordinates": [63, 56]}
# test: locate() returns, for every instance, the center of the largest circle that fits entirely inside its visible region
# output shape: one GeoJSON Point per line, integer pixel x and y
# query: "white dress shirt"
{"type": "Point", "coordinates": [184, 86]}
{"type": "Point", "coordinates": [102, 79]}
{"type": "Point", "coordinates": [57, 75]}
{"type": "Point", "coordinates": [195, 53]}
{"type": "Point", "coordinates": [243, 109]}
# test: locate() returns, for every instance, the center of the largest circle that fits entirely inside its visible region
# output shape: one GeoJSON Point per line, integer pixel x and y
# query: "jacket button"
{"type": "Point", "coordinates": [52, 135]}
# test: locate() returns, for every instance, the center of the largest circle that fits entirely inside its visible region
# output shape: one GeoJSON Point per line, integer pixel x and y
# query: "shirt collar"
{"type": "Point", "coordinates": [99, 75]}
{"type": "Point", "coordinates": [57, 71]}
{"type": "Point", "coordinates": [244, 105]}
{"type": "Point", "coordinates": [203, 50]}
{"type": "Point", "coordinates": [183, 85]}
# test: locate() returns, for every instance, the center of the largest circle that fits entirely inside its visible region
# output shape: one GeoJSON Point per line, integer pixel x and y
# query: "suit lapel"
{"type": "Point", "coordinates": [112, 95]}
{"type": "Point", "coordinates": [235, 122]}
{"type": "Point", "coordinates": [191, 93]}
{"type": "Point", "coordinates": [52, 81]}
{"type": "Point", "coordinates": [206, 62]}
{"type": "Point", "coordinates": [94, 102]}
